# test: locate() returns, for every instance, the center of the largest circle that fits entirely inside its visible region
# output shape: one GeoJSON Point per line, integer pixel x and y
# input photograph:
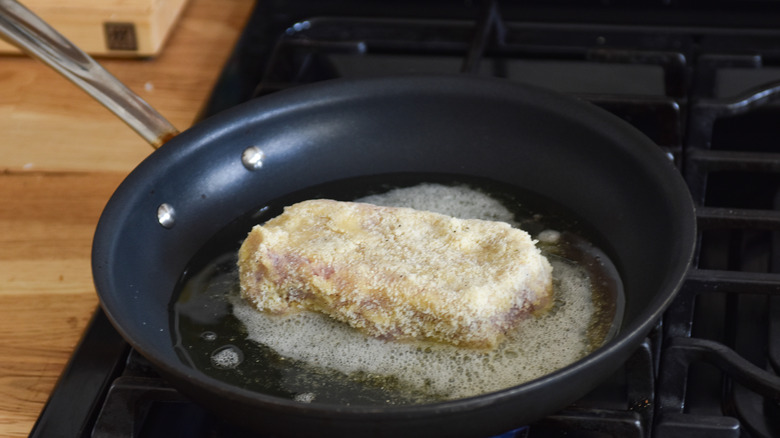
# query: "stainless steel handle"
{"type": "Point", "coordinates": [22, 28]}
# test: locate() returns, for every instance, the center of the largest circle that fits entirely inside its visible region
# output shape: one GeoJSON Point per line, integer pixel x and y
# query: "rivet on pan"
{"type": "Point", "coordinates": [166, 215]}
{"type": "Point", "coordinates": [252, 157]}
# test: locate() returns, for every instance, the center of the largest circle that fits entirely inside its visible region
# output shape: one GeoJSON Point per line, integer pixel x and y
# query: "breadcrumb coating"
{"type": "Point", "coordinates": [396, 273]}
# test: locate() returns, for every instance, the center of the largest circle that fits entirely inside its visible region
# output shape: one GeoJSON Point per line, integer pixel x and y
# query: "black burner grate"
{"type": "Point", "coordinates": [726, 315]}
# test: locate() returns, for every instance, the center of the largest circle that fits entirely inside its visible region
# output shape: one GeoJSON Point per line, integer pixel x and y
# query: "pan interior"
{"type": "Point", "coordinates": [208, 337]}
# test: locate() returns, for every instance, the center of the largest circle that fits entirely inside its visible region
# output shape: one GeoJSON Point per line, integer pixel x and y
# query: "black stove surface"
{"type": "Point", "coordinates": [701, 81]}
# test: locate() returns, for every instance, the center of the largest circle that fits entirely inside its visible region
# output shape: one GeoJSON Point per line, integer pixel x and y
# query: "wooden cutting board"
{"type": "Point", "coordinates": [124, 28]}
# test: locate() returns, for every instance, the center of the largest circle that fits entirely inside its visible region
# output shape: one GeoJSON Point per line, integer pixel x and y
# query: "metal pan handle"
{"type": "Point", "coordinates": [22, 28]}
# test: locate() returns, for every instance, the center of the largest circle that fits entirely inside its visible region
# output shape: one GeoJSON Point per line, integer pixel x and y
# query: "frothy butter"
{"type": "Point", "coordinates": [537, 347]}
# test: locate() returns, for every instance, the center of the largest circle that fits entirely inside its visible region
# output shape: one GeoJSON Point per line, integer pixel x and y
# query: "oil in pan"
{"type": "Point", "coordinates": [309, 357]}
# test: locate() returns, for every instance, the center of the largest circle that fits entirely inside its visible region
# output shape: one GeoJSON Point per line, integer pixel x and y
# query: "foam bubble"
{"type": "Point", "coordinates": [227, 357]}
{"type": "Point", "coordinates": [305, 397]}
{"type": "Point", "coordinates": [549, 236]}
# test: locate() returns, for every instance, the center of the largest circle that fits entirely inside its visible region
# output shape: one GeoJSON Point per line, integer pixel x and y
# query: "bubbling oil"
{"type": "Point", "coordinates": [310, 357]}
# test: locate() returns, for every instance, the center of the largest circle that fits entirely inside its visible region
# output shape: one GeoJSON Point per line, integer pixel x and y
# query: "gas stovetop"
{"type": "Point", "coordinates": [701, 82]}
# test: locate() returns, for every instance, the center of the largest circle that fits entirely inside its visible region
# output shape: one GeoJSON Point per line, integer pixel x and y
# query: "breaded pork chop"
{"type": "Point", "coordinates": [396, 273]}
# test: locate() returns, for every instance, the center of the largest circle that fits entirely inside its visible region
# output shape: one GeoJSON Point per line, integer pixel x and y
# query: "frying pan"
{"type": "Point", "coordinates": [597, 166]}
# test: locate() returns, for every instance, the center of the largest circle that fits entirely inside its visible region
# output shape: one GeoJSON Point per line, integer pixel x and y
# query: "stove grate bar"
{"type": "Point", "coordinates": [763, 283]}
{"type": "Point", "coordinates": [697, 426]}
{"type": "Point", "coordinates": [590, 423]}
{"type": "Point", "coordinates": [681, 352]}
{"type": "Point", "coordinates": [720, 218]}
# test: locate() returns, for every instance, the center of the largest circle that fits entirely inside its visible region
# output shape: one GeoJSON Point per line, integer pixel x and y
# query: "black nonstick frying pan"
{"type": "Point", "coordinates": [610, 176]}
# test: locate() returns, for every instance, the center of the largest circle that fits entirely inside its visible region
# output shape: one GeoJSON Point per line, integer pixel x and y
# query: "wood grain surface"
{"type": "Point", "coordinates": [61, 157]}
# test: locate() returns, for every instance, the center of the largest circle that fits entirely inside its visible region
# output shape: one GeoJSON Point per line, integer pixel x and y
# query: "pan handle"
{"type": "Point", "coordinates": [22, 28]}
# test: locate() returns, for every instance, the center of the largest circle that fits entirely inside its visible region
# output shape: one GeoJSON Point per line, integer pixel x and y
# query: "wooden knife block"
{"type": "Point", "coordinates": [122, 28]}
